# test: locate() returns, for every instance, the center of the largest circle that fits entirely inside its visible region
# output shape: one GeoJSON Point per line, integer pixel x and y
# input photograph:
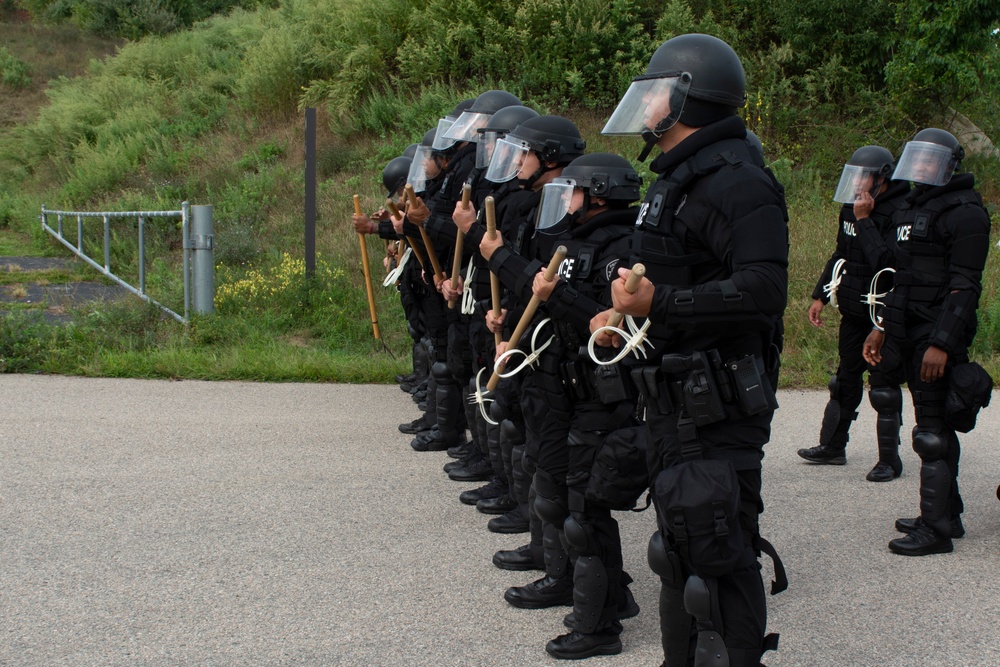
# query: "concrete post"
{"type": "Point", "coordinates": [203, 259]}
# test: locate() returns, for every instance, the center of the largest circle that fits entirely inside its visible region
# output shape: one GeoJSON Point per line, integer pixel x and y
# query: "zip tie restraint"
{"type": "Point", "coordinates": [830, 289]}
{"type": "Point", "coordinates": [396, 273]}
{"type": "Point", "coordinates": [480, 398]}
{"type": "Point", "coordinates": [468, 302]}
{"type": "Point", "coordinates": [872, 298]}
{"type": "Point", "coordinates": [529, 359]}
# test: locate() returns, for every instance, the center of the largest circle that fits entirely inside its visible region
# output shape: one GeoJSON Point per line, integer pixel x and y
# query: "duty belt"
{"type": "Point", "coordinates": [705, 389]}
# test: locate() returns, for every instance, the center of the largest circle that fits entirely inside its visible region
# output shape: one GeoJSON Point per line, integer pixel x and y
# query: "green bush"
{"type": "Point", "coordinates": [14, 73]}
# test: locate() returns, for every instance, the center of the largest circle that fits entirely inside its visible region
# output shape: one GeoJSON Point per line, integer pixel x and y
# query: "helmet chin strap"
{"type": "Point", "coordinates": [529, 182]}
{"type": "Point", "coordinates": [651, 139]}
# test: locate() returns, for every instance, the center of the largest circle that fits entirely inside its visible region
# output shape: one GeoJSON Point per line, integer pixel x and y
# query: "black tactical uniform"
{"type": "Point", "coordinates": [584, 402]}
{"type": "Point", "coordinates": [555, 141]}
{"type": "Point", "coordinates": [854, 275]}
{"type": "Point", "coordinates": [713, 238]}
{"type": "Point", "coordinates": [940, 244]}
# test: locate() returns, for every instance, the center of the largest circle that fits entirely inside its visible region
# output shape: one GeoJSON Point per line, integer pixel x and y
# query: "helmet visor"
{"type": "Point", "coordinates": [854, 181]}
{"type": "Point", "coordinates": [557, 200]}
{"type": "Point", "coordinates": [485, 147]}
{"type": "Point", "coordinates": [925, 163]}
{"type": "Point", "coordinates": [649, 105]}
{"type": "Point", "coordinates": [508, 156]}
{"type": "Point", "coordinates": [465, 127]}
{"type": "Point", "coordinates": [442, 142]}
{"type": "Point", "coordinates": [422, 169]}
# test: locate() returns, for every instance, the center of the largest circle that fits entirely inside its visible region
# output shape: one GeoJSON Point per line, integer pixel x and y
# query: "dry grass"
{"type": "Point", "coordinates": [51, 52]}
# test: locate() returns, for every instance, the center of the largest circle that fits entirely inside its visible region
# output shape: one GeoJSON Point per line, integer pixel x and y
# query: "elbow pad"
{"type": "Point", "coordinates": [956, 325]}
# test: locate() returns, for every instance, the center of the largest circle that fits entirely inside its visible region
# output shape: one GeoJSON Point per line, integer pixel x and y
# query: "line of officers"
{"type": "Point", "coordinates": [591, 413]}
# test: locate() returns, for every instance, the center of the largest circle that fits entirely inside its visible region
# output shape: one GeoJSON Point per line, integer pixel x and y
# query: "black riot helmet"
{"type": "Point", "coordinates": [497, 127]}
{"type": "Point", "coordinates": [551, 138]}
{"type": "Point", "coordinates": [695, 79]}
{"type": "Point", "coordinates": [477, 115]}
{"type": "Point", "coordinates": [410, 150]}
{"type": "Point", "coordinates": [507, 118]}
{"type": "Point", "coordinates": [442, 143]}
{"type": "Point", "coordinates": [930, 158]}
{"type": "Point", "coordinates": [395, 173]}
{"type": "Point", "coordinates": [427, 163]}
{"type": "Point", "coordinates": [866, 171]}
{"type": "Point", "coordinates": [605, 176]}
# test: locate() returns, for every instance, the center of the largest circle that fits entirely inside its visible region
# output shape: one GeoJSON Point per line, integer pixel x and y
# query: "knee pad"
{"type": "Point", "coordinates": [510, 433]}
{"type": "Point", "coordinates": [414, 334]}
{"type": "Point", "coordinates": [886, 399]}
{"type": "Point", "coordinates": [550, 499]}
{"type": "Point", "coordinates": [442, 374]}
{"type": "Point", "coordinates": [834, 386]}
{"type": "Point", "coordinates": [663, 563]}
{"type": "Point", "coordinates": [497, 413]}
{"type": "Point", "coordinates": [929, 446]}
{"type": "Point", "coordinates": [578, 536]}
{"type": "Point", "coordinates": [550, 510]}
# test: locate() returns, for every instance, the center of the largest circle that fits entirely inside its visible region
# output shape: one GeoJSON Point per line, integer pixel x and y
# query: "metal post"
{"type": "Point", "coordinates": [107, 243]}
{"type": "Point", "coordinates": [203, 259]}
{"type": "Point", "coordinates": [310, 203]}
{"type": "Point", "coordinates": [79, 233]}
{"type": "Point", "coordinates": [142, 255]}
{"type": "Point", "coordinates": [186, 241]}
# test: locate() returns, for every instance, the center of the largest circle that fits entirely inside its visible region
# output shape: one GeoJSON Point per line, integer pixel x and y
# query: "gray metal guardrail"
{"type": "Point", "coordinates": [198, 240]}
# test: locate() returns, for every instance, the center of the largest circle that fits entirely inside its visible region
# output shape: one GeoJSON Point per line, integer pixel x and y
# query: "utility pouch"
{"type": "Point", "coordinates": [969, 390]}
{"type": "Point", "coordinates": [649, 381]}
{"type": "Point", "coordinates": [575, 380]}
{"type": "Point", "coordinates": [611, 385]}
{"type": "Point", "coordinates": [753, 393]}
{"type": "Point", "coordinates": [702, 398]}
{"type": "Point", "coordinates": [697, 510]}
{"type": "Point", "coordinates": [619, 475]}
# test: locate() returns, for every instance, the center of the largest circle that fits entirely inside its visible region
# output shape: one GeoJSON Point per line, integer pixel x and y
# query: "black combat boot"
{"type": "Point", "coordinates": [910, 525]}
{"type": "Point", "coordinates": [576, 645]}
{"type": "Point", "coordinates": [519, 559]}
{"type": "Point", "coordinates": [542, 593]}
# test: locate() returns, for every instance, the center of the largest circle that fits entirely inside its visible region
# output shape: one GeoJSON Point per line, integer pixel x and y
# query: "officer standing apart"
{"type": "Point", "coordinates": [941, 242]}
{"type": "Point", "coordinates": [713, 237]}
{"type": "Point", "coordinates": [846, 282]}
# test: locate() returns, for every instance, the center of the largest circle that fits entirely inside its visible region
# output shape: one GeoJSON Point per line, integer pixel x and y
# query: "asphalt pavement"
{"type": "Point", "coordinates": [197, 523]}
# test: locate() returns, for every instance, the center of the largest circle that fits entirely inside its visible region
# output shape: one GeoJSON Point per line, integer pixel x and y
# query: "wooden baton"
{"type": "Point", "coordinates": [368, 273]}
{"type": "Point", "coordinates": [528, 314]}
{"type": "Point", "coordinates": [456, 265]}
{"type": "Point", "coordinates": [631, 285]}
{"type": "Point", "coordinates": [491, 234]}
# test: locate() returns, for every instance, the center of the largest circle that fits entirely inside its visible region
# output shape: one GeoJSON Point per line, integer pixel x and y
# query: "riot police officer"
{"type": "Point", "coordinates": [713, 238]}
{"type": "Point", "coordinates": [587, 209]}
{"type": "Point", "coordinates": [929, 320]}
{"type": "Point", "coordinates": [848, 282]}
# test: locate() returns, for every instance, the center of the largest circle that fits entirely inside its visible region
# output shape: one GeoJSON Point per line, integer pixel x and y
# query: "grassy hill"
{"type": "Point", "coordinates": [212, 115]}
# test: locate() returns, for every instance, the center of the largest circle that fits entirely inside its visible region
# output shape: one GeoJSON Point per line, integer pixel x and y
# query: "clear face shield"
{"type": "Point", "coordinates": [650, 105]}
{"type": "Point", "coordinates": [555, 206]}
{"type": "Point", "coordinates": [465, 127]}
{"type": "Point", "coordinates": [442, 142]}
{"type": "Point", "coordinates": [484, 147]}
{"type": "Point", "coordinates": [925, 163]}
{"type": "Point", "coordinates": [854, 181]}
{"type": "Point", "coordinates": [508, 156]}
{"type": "Point", "coordinates": [422, 169]}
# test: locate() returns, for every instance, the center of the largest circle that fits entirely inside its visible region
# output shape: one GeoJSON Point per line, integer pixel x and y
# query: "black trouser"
{"type": "Point", "coordinates": [742, 601]}
{"type": "Point", "coordinates": [591, 531]}
{"type": "Point", "coordinates": [929, 408]}
{"type": "Point", "coordinates": [547, 412]}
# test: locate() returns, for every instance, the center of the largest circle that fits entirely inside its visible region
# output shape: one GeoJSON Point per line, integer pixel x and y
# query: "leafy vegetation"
{"type": "Point", "coordinates": [204, 105]}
